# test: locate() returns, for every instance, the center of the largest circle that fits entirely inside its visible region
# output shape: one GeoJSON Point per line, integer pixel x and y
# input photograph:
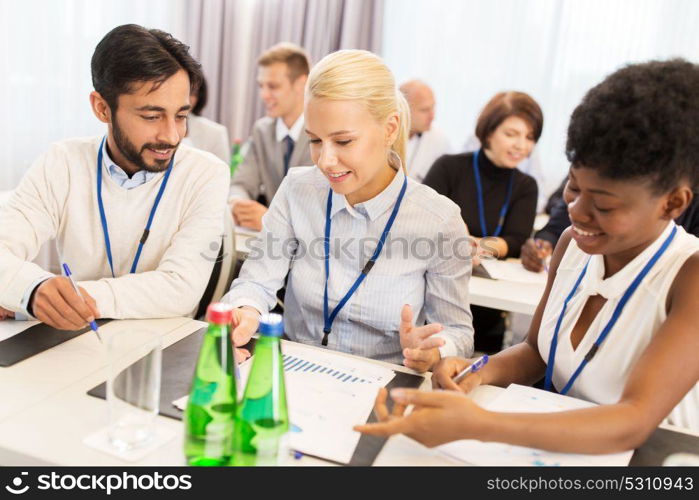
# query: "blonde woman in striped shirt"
{"type": "Point", "coordinates": [403, 298]}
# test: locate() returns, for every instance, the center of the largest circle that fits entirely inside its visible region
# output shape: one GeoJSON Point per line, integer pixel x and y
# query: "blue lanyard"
{"type": "Point", "coordinates": [610, 324]}
{"type": "Point", "coordinates": [103, 217]}
{"type": "Point", "coordinates": [329, 318]}
{"type": "Point", "coordinates": [479, 192]}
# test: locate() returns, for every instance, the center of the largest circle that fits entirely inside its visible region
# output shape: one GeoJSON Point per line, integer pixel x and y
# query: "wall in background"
{"type": "Point", "coordinates": [227, 36]}
{"type": "Point", "coordinates": [45, 69]}
{"type": "Point", "coordinates": [555, 50]}
{"type": "Point", "coordinates": [466, 49]}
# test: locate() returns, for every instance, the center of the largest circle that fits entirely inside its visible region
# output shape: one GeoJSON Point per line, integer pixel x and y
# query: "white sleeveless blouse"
{"type": "Point", "coordinates": [603, 379]}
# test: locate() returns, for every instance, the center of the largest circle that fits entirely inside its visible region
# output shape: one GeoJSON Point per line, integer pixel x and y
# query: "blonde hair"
{"type": "Point", "coordinates": [295, 58]}
{"type": "Point", "coordinates": [358, 75]}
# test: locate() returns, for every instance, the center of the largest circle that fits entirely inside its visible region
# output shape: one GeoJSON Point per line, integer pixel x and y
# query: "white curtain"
{"type": "Point", "coordinates": [45, 69]}
{"type": "Point", "coordinates": [227, 36]}
{"type": "Point", "coordinates": [555, 50]}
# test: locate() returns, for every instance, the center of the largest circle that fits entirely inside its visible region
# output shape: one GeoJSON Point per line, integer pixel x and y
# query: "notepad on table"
{"type": "Point", "coordinates": [512, 270]}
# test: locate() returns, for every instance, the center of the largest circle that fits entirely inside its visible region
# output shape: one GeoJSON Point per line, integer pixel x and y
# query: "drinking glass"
{"type": "Point", "coordinates": [133, 387]}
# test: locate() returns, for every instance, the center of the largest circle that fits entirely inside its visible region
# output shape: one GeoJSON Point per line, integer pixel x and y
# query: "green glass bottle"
{"type": "Point", "coordinates": [236, 155]}
{"type": "Point", "coordinates": [262, 418]}
{"type": "Point", "coordinates": [210, 413]}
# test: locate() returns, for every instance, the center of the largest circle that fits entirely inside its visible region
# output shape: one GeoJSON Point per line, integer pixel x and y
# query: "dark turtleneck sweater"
{"type": "Point", "coordinates": [452, 176]}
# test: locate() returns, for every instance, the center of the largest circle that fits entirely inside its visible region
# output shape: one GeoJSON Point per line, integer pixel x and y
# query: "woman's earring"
{"type": "Point", "coordinates": [394, 160]}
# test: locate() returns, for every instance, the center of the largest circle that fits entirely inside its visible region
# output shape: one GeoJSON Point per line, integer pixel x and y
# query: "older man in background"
{"type": "Point", "coordinates": [426, 142]}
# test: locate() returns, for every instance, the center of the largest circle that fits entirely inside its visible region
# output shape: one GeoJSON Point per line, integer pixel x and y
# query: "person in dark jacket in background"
{"type": "Point", "coordinates": [536, 250]}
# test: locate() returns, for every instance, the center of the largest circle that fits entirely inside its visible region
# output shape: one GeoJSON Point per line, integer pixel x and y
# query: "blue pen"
{"type": "Point", "coordinates": [472, 368]}
{"type": "Point", "coordinates": [69, 275]}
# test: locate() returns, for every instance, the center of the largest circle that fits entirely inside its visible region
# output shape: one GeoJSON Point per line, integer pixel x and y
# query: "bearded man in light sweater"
{"type": "Point", "coordinates": [133, 213]}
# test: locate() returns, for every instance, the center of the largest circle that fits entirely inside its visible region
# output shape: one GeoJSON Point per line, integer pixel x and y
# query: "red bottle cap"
{"type": "Point", "coordinates": [219, 313]}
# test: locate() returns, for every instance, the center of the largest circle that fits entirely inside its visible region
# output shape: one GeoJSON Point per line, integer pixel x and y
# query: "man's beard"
{"type": "Point", "coordinates": [130, 152]}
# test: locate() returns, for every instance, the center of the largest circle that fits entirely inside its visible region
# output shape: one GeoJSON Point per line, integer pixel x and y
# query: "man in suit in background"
{"type": "Point", "coordinates": [278, 140]}
{"type": "Point", "coordinates": [426, 143]}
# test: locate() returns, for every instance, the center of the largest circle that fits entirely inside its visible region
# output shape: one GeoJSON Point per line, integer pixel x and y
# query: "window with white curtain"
{"type": "Point", "coordinates": [45, 69]}
{"type": "Point", "coordinates": [555, 50]}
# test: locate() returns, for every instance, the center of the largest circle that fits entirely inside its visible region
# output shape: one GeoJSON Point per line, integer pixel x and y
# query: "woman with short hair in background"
{"type": "Point", "coordinates": [497, 201]}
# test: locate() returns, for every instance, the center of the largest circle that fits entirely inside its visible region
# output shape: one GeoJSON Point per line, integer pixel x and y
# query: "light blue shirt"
{"type": "Point", "coordinates": [410, 270]}
{"type": "Point", "coordinates": [120, 177]}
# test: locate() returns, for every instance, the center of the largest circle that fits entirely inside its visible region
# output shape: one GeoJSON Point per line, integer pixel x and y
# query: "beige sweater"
{"type": "Point", "coordinates": [57, 198]}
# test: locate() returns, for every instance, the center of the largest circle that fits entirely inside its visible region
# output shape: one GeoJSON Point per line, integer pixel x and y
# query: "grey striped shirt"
{"type": "Point", "coordinates": [425, 263]}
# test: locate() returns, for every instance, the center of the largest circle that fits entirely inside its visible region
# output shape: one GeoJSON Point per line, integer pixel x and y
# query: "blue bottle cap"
{"type": "Point", "coordinates": [271, 325]}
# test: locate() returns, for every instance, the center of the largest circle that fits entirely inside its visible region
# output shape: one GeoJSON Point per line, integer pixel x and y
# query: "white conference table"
{"type": "Point", "coordinates": [46, 374]}
{"type": "Point", "coordinates": [47, 412]}
{"type": "Point", "coordinates": [504, 295]}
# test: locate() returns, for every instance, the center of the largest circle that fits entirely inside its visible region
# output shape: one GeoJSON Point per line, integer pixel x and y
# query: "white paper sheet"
{"type": "Point", "coordinates": [517, 398]}
{"type": "Point", "coordinates": [323, 413]}
{"type": "Point", "coordinates": [512, 270]}
{"type": "Point", "coordinates": [11, 327]}
{"type": "Point", "coordinates": [329, 364]}
{"type": "Point", "coordinates": [327, 394]}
